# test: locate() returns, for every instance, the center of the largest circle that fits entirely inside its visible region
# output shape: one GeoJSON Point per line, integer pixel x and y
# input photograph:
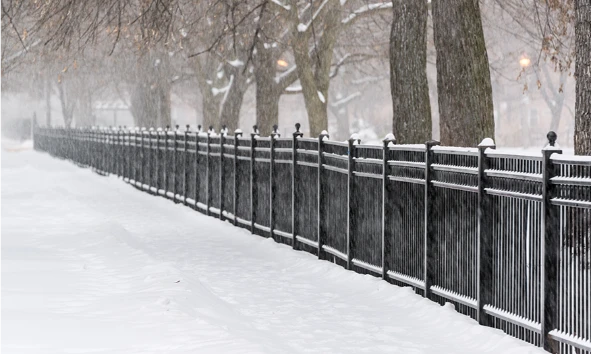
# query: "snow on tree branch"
{"type": "Point", "coordinates": [366, 10]}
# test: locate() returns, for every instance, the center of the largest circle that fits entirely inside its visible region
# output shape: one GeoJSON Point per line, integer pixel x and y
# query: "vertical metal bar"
{"type": "Point", "coordinates": [253, 186]}
{"type": "Point", "coordinates": [142, 158]}
{"type": "Point", "coordinates": [294, 184]}
{"type": "Point", "coordinates": [351, 200]}
{"type": "Point", "coordinates": [165, 162]}
{"type": "Point", "coordinates": [185, 169]}
{"type": "Point", "coordinates": [175, 170]}
{"type": "Point", "coordinates": [221, 176]}
{"type": "Point", "coordinates": [207, 184]}
{"type": "Point", "coordinates": [321, 188]}
{"type": "Point", "coordinates": [549, 247]}
{"type": "Point", "coordinates": [387, 212]}
{"type": "Point", "coordinates": [485, 238]}
{"type": "Point", "coordinates": [197, 177]}
{"type": "Point", "coordinates": [429, 266]}
{"type": "Point", "coordinates": [237, 135]}
{"type": "Point", "coordinates": [272, 183]}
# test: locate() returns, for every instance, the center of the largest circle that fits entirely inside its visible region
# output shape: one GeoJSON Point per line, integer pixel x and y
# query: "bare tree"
{"type": "Point", "coordinates": [463, 76]}
{"type": "Point", "coordinates": [583, 75]}
{"type": "Point", "coordinates": [408, 76]}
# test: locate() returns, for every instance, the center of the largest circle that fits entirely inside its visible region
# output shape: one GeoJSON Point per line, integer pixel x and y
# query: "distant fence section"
{"type": "Point", "coordinates": [506, 238]}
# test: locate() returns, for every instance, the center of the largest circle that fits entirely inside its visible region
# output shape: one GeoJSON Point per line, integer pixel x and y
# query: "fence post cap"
{"type": "Point", "coordinates": [432, 143]}
{"type": "Point", "coordinates": [237, 131]}
{"type": "Point", "coordinates": [199, 128]}
{"type": "Point", "coordinates": [487, 143]}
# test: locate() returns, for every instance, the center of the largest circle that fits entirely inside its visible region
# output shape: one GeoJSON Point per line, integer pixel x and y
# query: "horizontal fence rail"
{"type": "Point", "coordinates": [504, 237]}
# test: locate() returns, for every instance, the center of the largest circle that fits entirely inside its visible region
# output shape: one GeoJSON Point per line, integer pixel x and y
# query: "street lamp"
{"type": "Point", "coordinates": [524, 62]}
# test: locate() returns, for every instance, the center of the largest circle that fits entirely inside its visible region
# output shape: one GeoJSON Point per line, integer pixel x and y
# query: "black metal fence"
{"type": "Point", "coordinates": [504, 237]}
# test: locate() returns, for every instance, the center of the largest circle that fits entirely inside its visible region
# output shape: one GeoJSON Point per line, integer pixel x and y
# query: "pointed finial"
{"type": "Point", "coordinates": [188, 127]}
{"type": "Point", "coordinates": [297, 126]}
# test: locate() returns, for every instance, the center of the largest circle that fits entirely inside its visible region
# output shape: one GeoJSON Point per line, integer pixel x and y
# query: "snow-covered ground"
{"type": "Point", "coordinates": [91, 265]}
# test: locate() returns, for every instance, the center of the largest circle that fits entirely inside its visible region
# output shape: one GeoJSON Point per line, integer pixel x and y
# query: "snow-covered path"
{"type": "Point", "coordinates": [89, 264]}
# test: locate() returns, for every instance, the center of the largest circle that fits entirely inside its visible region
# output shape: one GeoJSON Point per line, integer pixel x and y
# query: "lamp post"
{"type": "Point", "coordinates": [525, 62]}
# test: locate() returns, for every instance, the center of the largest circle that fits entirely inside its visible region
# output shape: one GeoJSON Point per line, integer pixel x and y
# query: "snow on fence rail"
{"type": "Point", "coordinates": [506, 238]}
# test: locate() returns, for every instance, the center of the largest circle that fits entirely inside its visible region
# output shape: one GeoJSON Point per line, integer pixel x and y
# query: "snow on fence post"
{"type": "Point", "coordinates": [550, 247]}
{"type": "Point", "coordinates": [185, 169]}
{"type": "Point", "coordinates": [207, 169]}
{"type": "Point", "coordinates": [127, 161]}
{"type": "Point", "coordinates": [321, 196]}
{"type": "Point", "coordinates": [253, 182]}
{"type": "Point", "coordinates": [429, 266]}
{"type": "Point", "coordinates": [351, 198]}
{"type": "Point", "coordinates": [221, 175]}
{"type": "Point", "coordinates": [485, 245]}
{"type": "Point", "coordinates": [272, 182]}
{"type": "Point", "coordinates": [237, 136]}
{"type": "Point", "coordinates": [387, 212]}
{"type": "Point", "coordinates": [294, 183]}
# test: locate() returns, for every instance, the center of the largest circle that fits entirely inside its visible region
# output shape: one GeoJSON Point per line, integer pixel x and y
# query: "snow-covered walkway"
{"type": "Point", "coordinates": [89, 264]}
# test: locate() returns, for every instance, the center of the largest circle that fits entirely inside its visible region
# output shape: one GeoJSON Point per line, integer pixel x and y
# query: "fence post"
{"type": "Point", "coordinates": [127, 136]}
{"type": "Point", "coordinates": [272, 182]}
{"type": "Point", "coordinates": [185, 169]}
{"type": "Point", "coordinates": [550, 246]}
{"type": "Point", "coordinates": [253, 186]}
{"type": "Point", "coordinates": [351, 198]}
{"type": "Point", "coordinates": [112, 149]}
{"type": "Point", "coordinates": [197, 180]}
{"type": "Point", "coordinates": [237, 135]}
{"type": "Point", "coordinates": [295, 181]}
{"type": "Point", "coordinates": [175, 169]}
{"type": "Point", "coordinates": [387, 213]}
{"type": "Point", "coordinates": [222, 179]}
{"type": "Point", "coordinates": [485, 237]}
{"type": "Point", "coordinates": [142, 158]}
{"type": "Point", "coordinates": [157, 163]}
{"type": "Point", "coordinates": [207, 184]}
{"type": "Point", "coordinates": [165, 162]}
{"type": "Point", "coordinates": [321, 200]}
{"type": "Point", "coordinates": [119, 156]}
{"type": "Point", "coordinates": [429, 266]}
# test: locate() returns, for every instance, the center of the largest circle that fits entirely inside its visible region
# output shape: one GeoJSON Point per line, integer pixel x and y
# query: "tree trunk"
{"type": "Point", "coordinates": [164, 114]}
{"type": "Point", "coordinates": [145, 105]}
{"type": "Point", "coordinates": [232, 102]}
{"type": "Point", "coordinates": [314, 71]}
{"type": "Point", "coordinates": [408, 76]}
{"type": "Point", "coordinates": [48, 101]}
{"type": "Point", "coordinates": [267, 97]}
{"type": "Point", "coordinates": [67, 104]}
{"type": "Point", "coordinates": [85, 118]}
{"type": "Point", "coordinates": [211, 108]}
{"type": "Point", "coordinates": [583, 77]}
{"type": "Point", "coordinates": [463, 76]}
